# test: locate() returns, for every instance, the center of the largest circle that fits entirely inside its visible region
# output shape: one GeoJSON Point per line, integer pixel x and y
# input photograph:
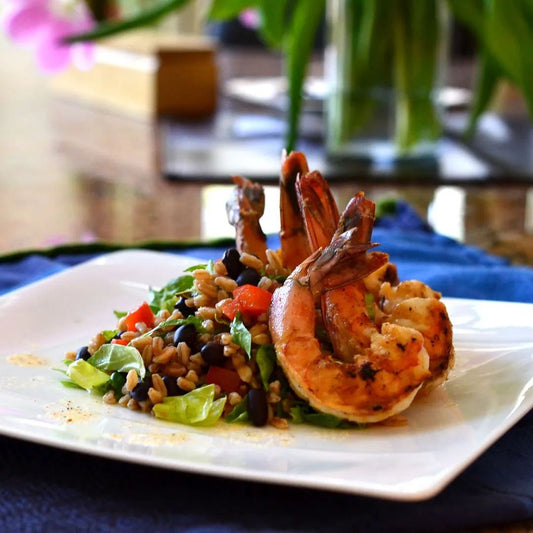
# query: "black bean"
{"type": "Point", "coordinates": [140, 391]}
{"type": "Point", "coordinates": [249, 276]}
{"type": "Point", "coordinates": [232, 262]}
{"type": "Point", "coordinates": [118, 334]}
{"type": "Point", "coordinates": [183, 308]}
{"type": "Point", "coordinates": [83, 353]}
{"type": "Point", "coordinates": [171, 383]}
{"type": "Point", "coordinates": [257, 407]}
{"type": "Point", "coordinates": [185, 333]}
{"type": "Point", "coordinates": [213, 354]}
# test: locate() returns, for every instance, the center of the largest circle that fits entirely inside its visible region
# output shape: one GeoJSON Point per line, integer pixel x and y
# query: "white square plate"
{"type": "Point", "coordinates": [489, 390]}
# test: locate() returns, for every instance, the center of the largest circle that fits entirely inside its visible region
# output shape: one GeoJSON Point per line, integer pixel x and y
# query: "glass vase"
{"type": "Point", "coordinates": [385, 63]}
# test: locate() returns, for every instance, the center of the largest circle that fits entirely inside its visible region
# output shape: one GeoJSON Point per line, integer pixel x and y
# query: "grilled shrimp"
{"type": "Point", "coordinates": [295, 245]}
{"type": "Point", "coordinates": [349, 311]}
{"type": "Point", "coordinates": [244, 210]}
{"type": "Point", "coordinates": [383, 375]}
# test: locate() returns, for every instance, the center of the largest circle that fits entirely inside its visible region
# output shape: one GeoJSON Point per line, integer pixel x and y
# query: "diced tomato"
{"type": "Point", "coordinates": [227, 380]}
{"type": "Point", "coordinates": [119, 341]}
{"type": "Point", "coordinates": [250, 300]}
{"type": "Point", "coordinates": [142, 314]}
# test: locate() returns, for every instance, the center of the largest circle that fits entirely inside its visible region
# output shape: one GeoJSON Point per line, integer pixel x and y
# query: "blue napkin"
{"type": "Point", "coordinates": [46, 489]}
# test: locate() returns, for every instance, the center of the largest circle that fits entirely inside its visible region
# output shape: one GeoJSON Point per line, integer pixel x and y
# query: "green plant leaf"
{"type": "Point", "coordinates": [305, 21]}
{"type": "Point", "coordinates": [489, 76]}
{"type": "Point", "coordinates": [144, 18]}
{"type": "Point", "coordinates": [229, 9]}
{"type": "Point", "coordinates": [274, 16]}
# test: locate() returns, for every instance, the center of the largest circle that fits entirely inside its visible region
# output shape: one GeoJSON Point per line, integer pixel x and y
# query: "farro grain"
{"type": "Point", "coordinates": [132, 404]}
{"type": "Point", "coordinates": [109, 397]}
{"type": "Point", "coordinates": [252, 261]}
{"type": "Point", "coordinates": [185, 384]}
{"type": "Point", "coordinates": [175, 370]}
{"type": "Point", "coordinates": [121, 325]}
{"type": "Point", "coordinates": [220, 268]}
{"type": "Point", "coordinates": [225, 283]}
{"type": "Point", "coordinates": [238, 360]}
{"type": "Point", "coordinates": [201, 274]}
{"type": "Point", "coordinates": [141, 342]}
{"type": "Point", "coordinates": [279, 423]}
{"type": "Point", "coordinates": [157, 346]}
{"type": "Point", "coordinates": [262, 338]}
{"type": "Point", "coordinates": [131, 380]}
{"type": "Point", "coordinates": [183, 352]}
{"type": "Point", "coordinates": [96, 342]}
{"type": "Point", "coordinates": [165, 356]}
{"type": "Point", "coordinates": [234, 398]}
{"type": "Point", "coordinates": [154, 368]}
{"type": "Point", "coordinates": [206, 313]}
{"type": "Point", "coordinates": [245, 373]}
{"type": "Point", "coordinates": [147, 354]}
{"type": "Point", "coordinates": [225, 339]}
{"type": "Point", "coordinates": [159, 385]}
{"type": "Point", "coordinates": [124, 400]}
{"type": "Point", "coordinates": [145, 406]}
{"type": "Point", "coordinates": [128, 336]}
{"type": "Point", "coordinates": [192, 375]}
{"type": "Point", "coordinates": [197, 359]}
{"type": "Point", "coordinates": [207, 288]}
{"type": "Point", "coordinates": [154, 395]}
{"type": "Point", "coordinates": [70, 356]}
{"type": "Point", "coordinates": [209, 325]}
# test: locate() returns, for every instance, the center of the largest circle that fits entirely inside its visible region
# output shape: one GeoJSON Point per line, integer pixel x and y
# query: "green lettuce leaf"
{"type": "Point", "coordinates": [86, 376]}
{"type": "Point", "coordinates": [118, 358]}
{"type": "Point", "coordinates": [196, 408]}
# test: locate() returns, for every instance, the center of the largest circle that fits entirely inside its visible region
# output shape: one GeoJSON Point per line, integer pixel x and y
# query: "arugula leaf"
{"type": "Point", "coordinates": [119, 358]}
{"type": "Point", "coordinates": [167, 296]}
{"type": "Point", "coordinates": [196, 408]}
{"type": "Point", "coordinates": [85, 375]}
{"type": "Point", "coordinates": [109, 334]}
{"type": "Point", "coordinates": [194, 320]}
{"type": "Point", "coordinates": [266, 362]}
{"type": "Point", "coordinates": [239, 412]}
{"type": "Point", "coordinates": [241, 335]}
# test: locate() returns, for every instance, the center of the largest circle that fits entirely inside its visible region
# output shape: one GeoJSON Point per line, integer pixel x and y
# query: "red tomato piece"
{"type": "Point", "coordinates": [119, 341]}
{"type": "Point", "coordinates": [227, 380]}
{"type": "Point", "coordinates": [250, 300]}
{"type": "Point", "coordinates": [143, 313]}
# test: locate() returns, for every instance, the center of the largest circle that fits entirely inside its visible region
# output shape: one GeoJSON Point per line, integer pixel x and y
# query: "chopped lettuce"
{"type": "Point", "coordinates": [167, 296]}
{"type": "Point", "coordinates": [266, 361]}
{"type": "Point", "coordinates": [118, 358]}
{"type": "Point", "coordinates": [86, 376]}
{"type": "Point", "coordinates": [196, 408]}
{"type": "Point", "coordinates": [241, 335]}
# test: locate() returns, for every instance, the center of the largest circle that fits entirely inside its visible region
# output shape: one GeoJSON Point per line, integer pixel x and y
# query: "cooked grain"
{"type": "Point", "coordinates": [131, 380]}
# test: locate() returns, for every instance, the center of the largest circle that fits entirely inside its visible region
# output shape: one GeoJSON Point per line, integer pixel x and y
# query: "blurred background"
{"type": "Point", "coordinates": [141, 145]}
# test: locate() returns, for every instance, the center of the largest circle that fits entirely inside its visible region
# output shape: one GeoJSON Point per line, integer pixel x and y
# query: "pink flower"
{"type": "Point", "coordinates": [250, 18]}
{"type": "Point", "coordinates": [42, 24]}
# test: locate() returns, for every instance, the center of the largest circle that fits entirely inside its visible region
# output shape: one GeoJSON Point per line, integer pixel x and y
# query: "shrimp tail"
{"type": "Point", "coordinates": [318, 207]}
{"type": "Point", "coordinates": [244, 211]}
{"type": "Point", "coordinates": [295, 245]}
{"type": "Point", "coordinates": [344, 261]}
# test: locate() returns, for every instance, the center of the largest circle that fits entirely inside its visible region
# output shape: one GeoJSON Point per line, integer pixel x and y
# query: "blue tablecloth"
{"type": "Point", "coordinates": [46, 489]}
